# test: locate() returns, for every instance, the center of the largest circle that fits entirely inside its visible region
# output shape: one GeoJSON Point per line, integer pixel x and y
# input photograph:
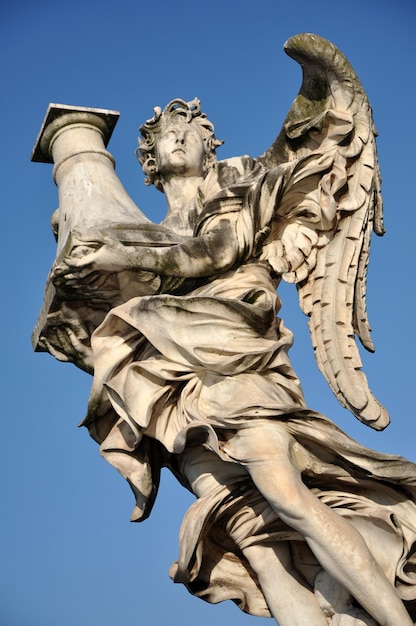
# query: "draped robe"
{"type": "Point", "coordinates": [177, 373]}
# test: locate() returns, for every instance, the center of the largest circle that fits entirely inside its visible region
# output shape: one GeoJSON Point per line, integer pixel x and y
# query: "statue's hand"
{"type": "Point", "coordinates": [68, 339]}
{"type": "Point", "coordinates": [86, 273]}
{"type": "Point", "coordinates": [109, 257]}
{"type": "Point", "coordinates": [75, 268]}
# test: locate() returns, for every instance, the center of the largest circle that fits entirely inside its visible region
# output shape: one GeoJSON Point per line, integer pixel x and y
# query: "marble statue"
{"type": "Point", "coordinates": [177, 324]}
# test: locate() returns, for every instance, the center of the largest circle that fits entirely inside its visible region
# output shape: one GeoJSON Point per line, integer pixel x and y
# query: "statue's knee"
{"type": "Point", "coordinates": [257, 443]}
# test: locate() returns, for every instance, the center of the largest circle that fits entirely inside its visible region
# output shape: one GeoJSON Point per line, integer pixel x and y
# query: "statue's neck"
{"type": "Point", "coordinates": [180, 191]}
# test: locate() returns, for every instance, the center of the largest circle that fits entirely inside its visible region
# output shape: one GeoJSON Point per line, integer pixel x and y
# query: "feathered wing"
{"type": "Point", "coordinates": [321, 228]}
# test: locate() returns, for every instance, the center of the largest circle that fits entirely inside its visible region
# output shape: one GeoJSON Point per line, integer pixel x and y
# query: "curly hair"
{"type": "Point", "coordinates": [190, 112]}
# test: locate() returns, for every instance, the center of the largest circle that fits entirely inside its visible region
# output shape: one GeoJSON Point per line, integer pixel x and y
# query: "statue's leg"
{"type": "Point", "coordinates": [269, 454]}
{"type": "Point", "coordinates": [289, 600]}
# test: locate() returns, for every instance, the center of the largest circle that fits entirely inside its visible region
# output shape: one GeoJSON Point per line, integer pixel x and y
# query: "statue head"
{"type": "Point", "coordinates": [175, 111]}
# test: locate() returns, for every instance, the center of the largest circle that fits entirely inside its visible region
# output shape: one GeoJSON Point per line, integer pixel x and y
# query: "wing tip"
{"type": "Point", "coordinates": [374, 414]}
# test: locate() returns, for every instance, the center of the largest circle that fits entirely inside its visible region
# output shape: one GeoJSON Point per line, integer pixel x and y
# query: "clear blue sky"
{"type": "Point", "coordinates": [70, 556]}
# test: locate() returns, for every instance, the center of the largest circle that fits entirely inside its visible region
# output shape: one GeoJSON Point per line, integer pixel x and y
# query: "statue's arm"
{"type": "Point", "coordinates": [211, 253]}
{"type": "Point", "coordinates": [205, 255]}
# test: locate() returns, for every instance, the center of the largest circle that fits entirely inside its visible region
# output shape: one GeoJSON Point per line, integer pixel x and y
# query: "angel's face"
{"type": "Point", "coordinates": [180, 150]}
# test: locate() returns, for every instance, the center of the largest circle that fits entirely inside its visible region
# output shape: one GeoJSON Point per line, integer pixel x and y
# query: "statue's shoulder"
{"type": "Point", "coordinates": [226, 186]}
{"type": "Point", "coordinates": [231, 176]}
{"type": "Point", "coordinates": [237, 170]}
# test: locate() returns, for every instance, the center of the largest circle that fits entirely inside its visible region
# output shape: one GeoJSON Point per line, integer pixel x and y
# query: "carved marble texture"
{"type": "Point", "coordinates": [178, 324]}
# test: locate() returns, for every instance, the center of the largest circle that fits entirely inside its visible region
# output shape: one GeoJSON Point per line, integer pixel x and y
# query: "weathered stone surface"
{"type": "Point", "coordinates": [93, 208]}
{"type": "Point", "coordinates": [177, 323]}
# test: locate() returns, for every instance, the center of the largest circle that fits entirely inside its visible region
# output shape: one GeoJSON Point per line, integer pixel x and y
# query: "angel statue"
{"type": "Point", "coordinates": [177, 323]}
